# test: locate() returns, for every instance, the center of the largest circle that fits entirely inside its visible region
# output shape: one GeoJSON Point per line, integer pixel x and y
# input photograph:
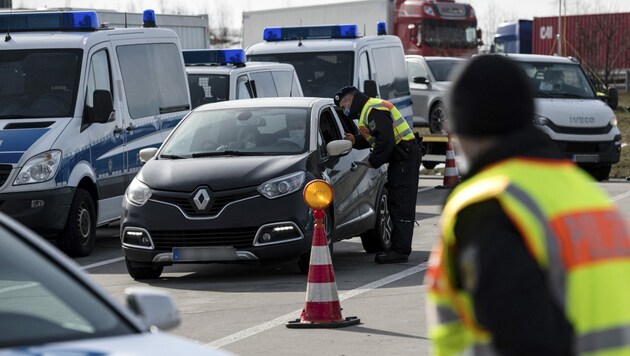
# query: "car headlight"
{"type": "Point", "coordinates": [282, 186]}
{"type": "Point", "coordinates": [39, 168]}
{"type": "Point", "coordinates": [613, 121]}
{"type": "Point", "coordinates": [540, 120]}
{"type": "Point", "coordinates": [138, 193]}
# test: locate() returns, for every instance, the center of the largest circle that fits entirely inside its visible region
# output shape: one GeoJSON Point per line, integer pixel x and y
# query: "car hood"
{"type": "Point", "coordinates": [575, 112]}
{"type": "Point", "coordinates": [139, 344]}
{"type": "Point", "coordinates": [219, 173]}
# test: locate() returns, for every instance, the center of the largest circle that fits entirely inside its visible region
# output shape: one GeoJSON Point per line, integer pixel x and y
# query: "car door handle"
{"type": "Point", "coordinates": [130, 128]}
{"type": "Point", "coordinates": [117, 130]}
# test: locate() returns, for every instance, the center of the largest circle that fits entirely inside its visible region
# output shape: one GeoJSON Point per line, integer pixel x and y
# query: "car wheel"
{"type": "Point", "coordinates": [380, 237]}
{"type": "Point", "coordinates": [437, 119]}
{"type": "Point", "coordinates": [79, 234]}
{"type": "Point", "coordinates": [600, 173]}
{"type": "Point", "coordinates": [143, 271]}
{"type": "Point", "coordinates": [305, 258]}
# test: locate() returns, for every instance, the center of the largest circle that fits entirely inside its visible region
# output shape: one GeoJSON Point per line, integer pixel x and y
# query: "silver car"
{"type": "Point", "coordinates": [429, 79]}
{"type": "Point", "coordinates": [50, 307]}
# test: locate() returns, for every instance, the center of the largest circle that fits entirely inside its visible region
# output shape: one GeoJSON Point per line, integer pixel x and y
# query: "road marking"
{"type": "Point", "coordinates": [21, 286]}
{"type": "Point", "coordinates": [420, 190]}
{"type": "Point", "coordinates": [102, 263]}
{"type": "Point", "coordinates": [620, 196]}
{"type": "Point", "coordinates": [296, 314]}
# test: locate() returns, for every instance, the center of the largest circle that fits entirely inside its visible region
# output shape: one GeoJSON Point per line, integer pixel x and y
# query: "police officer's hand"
{"type": "Point", "coordinates": [349, 137]}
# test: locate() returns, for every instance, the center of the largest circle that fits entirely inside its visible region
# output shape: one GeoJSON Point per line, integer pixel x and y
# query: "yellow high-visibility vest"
{"type": "Point", "coordinates": [575, 234]}
{"type": "Point", "coordinates": [402, 131]}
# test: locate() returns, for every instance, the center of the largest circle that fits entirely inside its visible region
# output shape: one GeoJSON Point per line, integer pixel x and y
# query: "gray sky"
{"type": "Point", "coordinates": [489, 12]}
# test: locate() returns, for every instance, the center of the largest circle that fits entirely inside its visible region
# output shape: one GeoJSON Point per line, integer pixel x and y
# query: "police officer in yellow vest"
{"type": "Point", "coordinates": [533, 258]}
{"type": "Point", "coordinates": [383, 128]}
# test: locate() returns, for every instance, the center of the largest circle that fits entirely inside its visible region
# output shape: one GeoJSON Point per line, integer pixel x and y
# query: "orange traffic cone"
{"type": "Point", "coordinates": [451, 175]}
{"type": "Point", "coordinates": [322, 308]}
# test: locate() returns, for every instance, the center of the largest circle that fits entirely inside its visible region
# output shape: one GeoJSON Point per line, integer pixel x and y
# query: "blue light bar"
{"type": "Point", "coordinates": [49, 21]}
{"type": "Point", "coordinates": [148, 18]}
{"type": "Point", "coordinates": [217, 56]}
{"type": "Point", "coordinates": [310, 32]}
{"type": "Point", "coordinates": [381, 28]}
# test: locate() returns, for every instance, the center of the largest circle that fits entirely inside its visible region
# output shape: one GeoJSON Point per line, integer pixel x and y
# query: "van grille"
{"type": "Point", "coordinates": [238, 238]}
{"type": "Point", "coordinates": [580, 130]}
{"type": "Point", "coordinates": [5, 171]}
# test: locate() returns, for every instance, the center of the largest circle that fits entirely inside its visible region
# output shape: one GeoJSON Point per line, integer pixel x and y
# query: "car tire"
{"type": "Point", "coordinates": [380, 237]}
{"type": "Point", "coordinates": [305, 258]}
{"type": "Point", "coordinates": [437, 118]}
{"type": "Point", "coordinates": [600, 173]}
{"type": "Point", "coordinates": [79, 235]}
{"type": "Point", "coordinates": [140, 271]}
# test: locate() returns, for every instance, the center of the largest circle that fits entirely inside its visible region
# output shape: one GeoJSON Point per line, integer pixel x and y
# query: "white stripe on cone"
{"type": "Point", "coordinates": [321, 292]}
{"type": "Point", "coordinates": [320, 255]}
{"type": "Point", "coordinates": [451, 172]}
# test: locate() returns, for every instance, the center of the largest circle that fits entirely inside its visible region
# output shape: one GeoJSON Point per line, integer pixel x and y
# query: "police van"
{"type": "Point", "coordinates": [330, 57]}
{"type": "Point", "coordinates": [77, 103]}
{"type": "Point", "coordinates": [223, 74]}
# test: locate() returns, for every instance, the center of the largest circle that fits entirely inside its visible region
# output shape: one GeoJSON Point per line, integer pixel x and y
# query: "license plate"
{"type": "Point", "coordinates": [586, 158]}
{"type": "Point", "coordinates": [204, 254]}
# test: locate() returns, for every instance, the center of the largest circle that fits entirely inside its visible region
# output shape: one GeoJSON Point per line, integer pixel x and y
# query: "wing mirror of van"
{"type": "Point", "coordinates": [421, 80]}
{"type": "Point", "coordinates": [103, 106]}
{"type": "Point", "coordinates": [147, 153]}
{"type": "Point", "coordinates": [338, 147]}
{"type": "Point", "coordinates": [369, 88]}
{"type": "Point", "coordinates": [613, 98]}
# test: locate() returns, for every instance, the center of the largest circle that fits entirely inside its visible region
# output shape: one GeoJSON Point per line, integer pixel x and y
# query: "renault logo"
{"type": "Point", "coordinates": [201, 199]}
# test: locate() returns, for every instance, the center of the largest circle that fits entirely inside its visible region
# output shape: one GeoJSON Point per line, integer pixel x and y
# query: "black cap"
{"type": "Point", "coordinates": [342, 92]}
{"type": "Point", "coordinates": [490, 97]}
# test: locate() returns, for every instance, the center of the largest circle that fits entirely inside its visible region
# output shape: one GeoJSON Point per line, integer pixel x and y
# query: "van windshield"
{"type": "Point", "coordinates": [558, 80]}
{"type": "Point", "coordinates": [321, 73]}
{"type": "Point", "coordinates": [39, 83]}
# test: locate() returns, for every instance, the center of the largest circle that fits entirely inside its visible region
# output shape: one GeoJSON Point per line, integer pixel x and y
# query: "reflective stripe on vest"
{"type": "Point", "coordinates": [574, 232]}
{"type": "Point", "coordinates": [402, 131]}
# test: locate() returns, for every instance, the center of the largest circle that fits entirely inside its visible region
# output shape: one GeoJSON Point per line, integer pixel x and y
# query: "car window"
{"type": "Point", "coordinates": [263, 84]}
{"type": "Point", "coordinates": [243, 88]}
{"type": "Point", "coordinates": [364, 69]}
{"type": "Point", "coordinates": [42, 303]}
{"type": "Point", "coordinates": [208, 88]}
{"type": "Point", "coordinates": [348, 125]}
{"type": "Point", "coordinates": [443, 68]}
{"type": "Point", "coordinates": [416, 69]}
{"type": "Point", "coordinates": [328, 127]}
{"type": "Point", "coordinates": [284, 82]}
{"type": "Point", "coordinates": [391, 79]}
{"type": "Point", "coordinates": [558, 80]}
{"type": "Point", "coordinates": [252, 131]}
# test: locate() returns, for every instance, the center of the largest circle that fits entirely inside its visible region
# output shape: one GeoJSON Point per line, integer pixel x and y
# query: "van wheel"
{"type": "Point", "coordinates": [79, 234]}
{"type": "Point", "coordinates": [140, 271]}
{"type": "Point", "coordinates": [305, 258]}
{"type": "Point", "coordinates": [380, 237]}
{"type": "Point", "coordinates": [600, 173]}
{"type": "Point", "coordinates": [437, 118]}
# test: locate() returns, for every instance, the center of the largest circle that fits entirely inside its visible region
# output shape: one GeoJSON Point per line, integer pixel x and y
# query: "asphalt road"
{"type": "Point", "coordinates": [243, 308]}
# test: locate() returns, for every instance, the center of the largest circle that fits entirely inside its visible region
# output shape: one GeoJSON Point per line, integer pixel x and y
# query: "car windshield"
{"type": "Point", "coordinates": [449, 34]}
{"type": "Point", "coordinates": [208, 88]}
{"type": "Point", "coordinates": [250, 131]}
{"type": "Point", "coordinates": [321, 74]}
{"type": "Point", "coordinates": [41, 303]}
{"type": "Point", "coordinates": [38, 83]}
{"type": "Point", "coordinates": [558, 80]}
{"type": "Point", "coordinates": [442, 68]}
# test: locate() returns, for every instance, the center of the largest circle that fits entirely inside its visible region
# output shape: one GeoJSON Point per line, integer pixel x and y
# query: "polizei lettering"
{"type": "Point", "coordinates": [582, 120]}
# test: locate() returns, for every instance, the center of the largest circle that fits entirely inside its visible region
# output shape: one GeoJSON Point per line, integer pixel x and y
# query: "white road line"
{"type": "Point", "coordinates": [102, 263]}
{"type": "Point", "coordinates": [295, 314]}
{"type": "Point", "coordinates": [22, 286]}
{"type": "Point", "coordinates": [620, 196]}
{"type": "Point", "coordinates": [420, 190]}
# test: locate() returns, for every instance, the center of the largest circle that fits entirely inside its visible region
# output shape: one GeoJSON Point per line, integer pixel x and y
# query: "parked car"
{"type": "Point", "coordinates": [226, 186]}
{"type": "Point", "coordinates": [429, 79]}
{"type": "Point", "coordinates": [51, 307]}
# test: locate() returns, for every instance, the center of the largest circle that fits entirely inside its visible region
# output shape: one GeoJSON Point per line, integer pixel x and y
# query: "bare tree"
{"type": "Point", "coordinates": [494, 16]}
{"type": "Point", "coordinates": [219, 21]}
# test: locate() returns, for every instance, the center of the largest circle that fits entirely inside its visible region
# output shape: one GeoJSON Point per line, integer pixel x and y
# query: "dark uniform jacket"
{"type": "Point", "coordinates": [510, 293]}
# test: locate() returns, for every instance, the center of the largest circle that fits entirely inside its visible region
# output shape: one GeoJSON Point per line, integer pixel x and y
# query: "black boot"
{"type": "Point", "coordinates": [390, 257]}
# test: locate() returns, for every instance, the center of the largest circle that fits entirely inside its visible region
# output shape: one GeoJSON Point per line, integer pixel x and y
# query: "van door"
{"type": "Point", "coordinates": [107, 140]}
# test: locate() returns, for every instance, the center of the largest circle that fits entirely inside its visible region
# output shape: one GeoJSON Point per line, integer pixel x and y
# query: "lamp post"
{"type": "Point", "coordinates": [558, 33]}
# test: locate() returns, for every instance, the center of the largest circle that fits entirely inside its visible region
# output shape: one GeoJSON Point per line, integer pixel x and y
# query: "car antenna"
{"type": "Point", "coordinates": [7, 38]}
{"type": "Point", "coordinates": [299, 37]}
{"type": "Point", "coordinates": [125, 19]}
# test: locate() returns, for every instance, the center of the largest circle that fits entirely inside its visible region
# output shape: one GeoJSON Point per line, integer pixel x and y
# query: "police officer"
{"type": "Point", "coordinates": [383, 128]}
{"type": "Point", "coordinates": [530, 247]}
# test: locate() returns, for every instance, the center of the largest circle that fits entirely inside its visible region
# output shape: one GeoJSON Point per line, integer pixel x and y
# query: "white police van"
{"type": "Point", "coordinates": [77, 103]}
{"type": "Point", "coordinates": [223, 74]}
{"type": "Point", "coordinates": [330, 57]}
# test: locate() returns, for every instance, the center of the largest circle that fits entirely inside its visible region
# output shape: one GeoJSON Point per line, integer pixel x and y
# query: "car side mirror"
{"type": "Point", "coordinates": [613, 98]}
{"type": "Point", "coordinates": [103, 106]}
{"type": "Point", "coordinates": [147, 153]}
{"type": "Point", "coordinates": [421, 80]}
{"type": "Point", "coordinates": [369, 88]}
{"type": "Point", "coordinates": [338, 147]}
{"type": "Point", "coordinates": [154, 307]}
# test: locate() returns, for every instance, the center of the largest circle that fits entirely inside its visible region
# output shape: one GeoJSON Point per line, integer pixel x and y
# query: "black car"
{"type": "Point", "coordinates": [226, 186]}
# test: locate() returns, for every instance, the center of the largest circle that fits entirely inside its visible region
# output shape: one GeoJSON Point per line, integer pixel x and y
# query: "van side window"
{"type": "Point", "coordinates": [264, 85]}
{"type": "Point", "coordinates": [99, 77]}
{"type": "Point", "coordinates": [364, 69]}
{"type": "Point", "coordinates": [284, 83]}
{"type": "Point", "coordinates": [153, 76]}
{"type": "Point", "coordinates": [392, 80]}
{"type": "Point", "coordinates": [243, 89]}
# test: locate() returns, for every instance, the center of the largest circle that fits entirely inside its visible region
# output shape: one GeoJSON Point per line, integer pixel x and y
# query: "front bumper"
{"type": "Point", "coordinates": [44, 212]}
{"type": "Point", "coordinates": [592, 153]}
{"type": "Point", "coordinates": [157, 231]}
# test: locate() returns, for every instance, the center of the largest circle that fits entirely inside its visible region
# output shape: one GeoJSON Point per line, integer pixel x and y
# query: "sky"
{"type": "Point", "coordinates": [223, 13]}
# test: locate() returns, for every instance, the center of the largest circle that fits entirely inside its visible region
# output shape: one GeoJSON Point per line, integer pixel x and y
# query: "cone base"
{"type": "Point", "coordinates": [299, 324]}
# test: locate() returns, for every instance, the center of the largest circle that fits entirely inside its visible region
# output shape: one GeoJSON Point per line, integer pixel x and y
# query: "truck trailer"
{"type": "Point", "coordinates": [430, 28]}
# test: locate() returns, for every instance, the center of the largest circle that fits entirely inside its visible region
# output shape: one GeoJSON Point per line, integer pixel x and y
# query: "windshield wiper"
{"type": "Point", "coordinates": [171, 157]}
{"type": "Point", "coordinates": [569, 95]}
{"type": "Point", "coordinates": [226, 153]}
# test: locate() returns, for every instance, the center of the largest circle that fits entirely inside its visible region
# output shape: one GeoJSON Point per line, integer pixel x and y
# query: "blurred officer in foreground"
{"type": "Point", "coordinates": [383, 128]}
{"type": "Point", "coordinates": [533, 258]}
